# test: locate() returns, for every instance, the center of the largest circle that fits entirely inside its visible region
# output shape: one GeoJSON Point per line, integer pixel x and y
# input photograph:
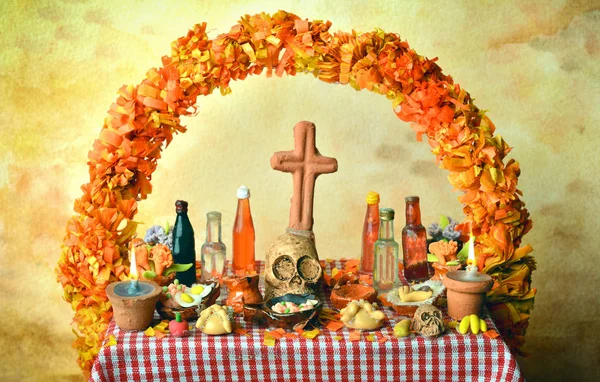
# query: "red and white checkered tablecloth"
{"type": "Point", "coordinates": [235, 357]}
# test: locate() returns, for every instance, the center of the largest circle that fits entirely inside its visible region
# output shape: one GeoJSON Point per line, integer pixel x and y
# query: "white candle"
{"type": "Point", "coordinates": [471, 264]}
{"type": "Point", "coordinates": [135, 285]}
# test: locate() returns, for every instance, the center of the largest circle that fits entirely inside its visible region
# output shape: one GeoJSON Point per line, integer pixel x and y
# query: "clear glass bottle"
{"type": "Point", "coordinates": [370, 234]}
{"type": "Point", "coordinates": [243, 234]}
{"type": "Point", "coordinates": [385, 272]}
{"type": "Point", "coordinates": [213, 251]}
{"type": "Point", "coordinates": [414, 243]}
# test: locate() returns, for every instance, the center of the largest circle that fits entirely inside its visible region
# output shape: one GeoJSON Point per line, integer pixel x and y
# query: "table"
{"type": "Point", "coordinates": [236, 357]}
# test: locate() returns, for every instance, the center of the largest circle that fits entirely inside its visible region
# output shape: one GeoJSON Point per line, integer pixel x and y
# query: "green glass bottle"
{"type": "Point", "coordinates": [184, 250]}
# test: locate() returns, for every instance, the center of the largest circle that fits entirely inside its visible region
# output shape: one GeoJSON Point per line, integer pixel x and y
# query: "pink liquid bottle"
{"type": "Point", "coordinates": [370, 234]}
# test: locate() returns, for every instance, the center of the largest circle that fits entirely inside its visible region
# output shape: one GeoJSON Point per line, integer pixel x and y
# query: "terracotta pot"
{"type": "Point", "coordinates": [242, 290]}
{"type": "Point", "coordinates": [348, 289]}
{"type": "Point", "coordinates": [133, 313]}
{"type": "Point", "coordinates": [466, 297]}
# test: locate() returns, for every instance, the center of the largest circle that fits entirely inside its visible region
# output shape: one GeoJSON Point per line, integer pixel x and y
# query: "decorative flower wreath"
{"type": "Point", "coordinates": [144, 118]}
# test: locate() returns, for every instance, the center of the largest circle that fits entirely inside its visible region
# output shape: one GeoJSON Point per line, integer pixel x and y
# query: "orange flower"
{"type": "Point", "coordinates": [161, 255]}
{"type": "Point", "coordinates": [141, 255]}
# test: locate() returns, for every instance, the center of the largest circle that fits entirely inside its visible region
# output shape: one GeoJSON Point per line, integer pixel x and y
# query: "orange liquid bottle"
{"type": "Point", "coordinates": [370, 234]}
{"type": "Point", "coordinates": [243, 234]}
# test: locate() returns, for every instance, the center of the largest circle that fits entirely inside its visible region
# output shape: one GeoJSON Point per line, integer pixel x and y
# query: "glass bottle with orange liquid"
{"type": "Point", "coordinates": [370, 234]}
{"type": "Point", "coordinates": [414, 243]}
{"type": "Point", "coordinates": [243, 234]}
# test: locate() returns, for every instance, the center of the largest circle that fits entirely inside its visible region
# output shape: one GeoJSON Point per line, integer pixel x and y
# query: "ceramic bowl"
{"type": "Point", "coordinates": [263, 314]}
{"type": "Point", "coordinates": [167, 311]}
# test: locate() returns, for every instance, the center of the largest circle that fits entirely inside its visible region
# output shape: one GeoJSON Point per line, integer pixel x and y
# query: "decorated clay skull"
{"type": "Point", "coordinates": [292, 266]}
{"type": "Point", "coordinates": [428, 321]}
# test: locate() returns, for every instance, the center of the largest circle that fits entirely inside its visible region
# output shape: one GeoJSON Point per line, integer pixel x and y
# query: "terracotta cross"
{"type": "Point", "coordinates": [306, 164]}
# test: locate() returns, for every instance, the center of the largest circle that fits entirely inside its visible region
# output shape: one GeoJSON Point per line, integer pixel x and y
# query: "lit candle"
{"type": "Point", "coordinates": [134, 286]}
{"type": "Point", "coordinates": [471, 264]}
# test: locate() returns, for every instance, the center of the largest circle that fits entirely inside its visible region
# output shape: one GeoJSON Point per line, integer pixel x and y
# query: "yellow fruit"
{"type": "Point", "coordinates": [474, 324]}
{"type": "Point", "coordinates": [402, 328]}
{"type": "Point", "coordinates": [483, 325]}
{"type": "Point", "coordinates": [463, 328]}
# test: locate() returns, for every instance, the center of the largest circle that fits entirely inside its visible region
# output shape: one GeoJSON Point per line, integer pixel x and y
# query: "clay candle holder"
{"type": "Point", "coordinates": [467, 289]}
{"type": "Point", "coordinates": [466, 294]}
{"type": "Point", "coordinates": [133, 307]}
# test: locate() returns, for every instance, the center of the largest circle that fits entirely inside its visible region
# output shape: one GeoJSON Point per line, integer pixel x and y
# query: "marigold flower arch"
{"type": "Point", "coordinates": [143, 119]}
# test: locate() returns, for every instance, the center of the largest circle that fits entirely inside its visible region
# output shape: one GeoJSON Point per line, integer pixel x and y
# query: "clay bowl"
{"type": "Point", "coordinates": [408, 309]}
{"type": "Point", "coordinates": [348, 288]}
{"type": "Point", "coordinates": [167, 312]}
{"type": "Point", "coordinates": [350, 292]}
{"type": "Point", "coordinates": [263, 314]}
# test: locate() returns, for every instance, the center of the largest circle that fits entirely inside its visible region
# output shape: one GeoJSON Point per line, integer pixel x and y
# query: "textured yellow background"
{"type": "Point", "coordinates": [533, 65]}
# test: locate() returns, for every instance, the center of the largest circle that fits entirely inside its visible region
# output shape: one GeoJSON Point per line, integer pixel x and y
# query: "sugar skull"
{"type": "Point", "coordinates": [428, 321]}
{"type": "Point", "coordinates": [292, 266]}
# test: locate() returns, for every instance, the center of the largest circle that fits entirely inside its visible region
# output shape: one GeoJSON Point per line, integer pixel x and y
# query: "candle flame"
{"type": "Point", "coordinates": [133, 265]}
{"type": "Point", "coordinates": [471, 256]}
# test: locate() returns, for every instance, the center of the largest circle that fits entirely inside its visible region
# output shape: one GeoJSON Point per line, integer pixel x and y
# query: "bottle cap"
{"type": "Point", "coordinates": [386, 214]}
{"type": "Point", "coordinates": [243, 192]}
{"type": "Point", "coordinates": [372, 197]}
{"type": "Point", "coordinates": [412, 198]}
{"type": "Point", "coordinates": [181, 206]}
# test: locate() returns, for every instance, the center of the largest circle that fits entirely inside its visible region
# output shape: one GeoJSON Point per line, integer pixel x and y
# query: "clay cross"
{"type": "Point", "coordinates": [306, 164]}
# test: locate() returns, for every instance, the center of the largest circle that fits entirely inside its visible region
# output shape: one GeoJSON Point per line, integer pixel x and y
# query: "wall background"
{"type": "Point", "coordinates": [533, 65]}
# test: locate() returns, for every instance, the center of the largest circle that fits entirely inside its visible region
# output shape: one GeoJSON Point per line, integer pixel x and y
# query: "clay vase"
{"type": "Point", "coordinates": [242, 290]}
{"type": "Point", "coordinates": [466, 297]}
{"type": "Point", "coordinates": [133, 313]}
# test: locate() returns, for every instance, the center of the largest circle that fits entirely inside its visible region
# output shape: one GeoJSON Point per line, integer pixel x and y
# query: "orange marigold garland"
{"type": "Point", "coordinates": [143, 120]}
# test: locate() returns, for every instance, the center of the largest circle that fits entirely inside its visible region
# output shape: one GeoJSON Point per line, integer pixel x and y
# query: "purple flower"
{"type": "Point", "coordinates": [450, 232]}
{"type": "Point", "coordinates": [157, 235]}
{"type": "Point", "coordinates": [434, 230]}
